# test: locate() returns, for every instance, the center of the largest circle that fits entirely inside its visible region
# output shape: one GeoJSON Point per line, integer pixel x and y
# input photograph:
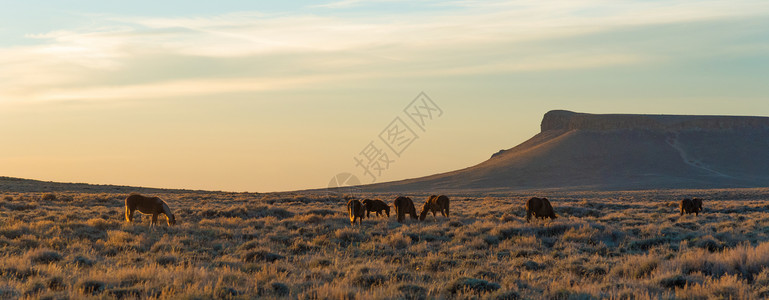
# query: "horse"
{"type": "Point", "coordinates": [376, 206]}
{"type": "Point", "coordinates": [357, 211]}
{"type": "Point", "coordinates": [540, 208]}
{"type": "Point", "coordinates": [148, 206]}
{"type": "Point", "coordinates": [435, 204]}
{"type": "Point", "coordinates": [691, 206]}
{"type": "Point", "coordinates": [403, 206]}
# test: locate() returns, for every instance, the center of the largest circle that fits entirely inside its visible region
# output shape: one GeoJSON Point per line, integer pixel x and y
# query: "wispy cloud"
{"type": "Point", "coordinates": [471, 38]}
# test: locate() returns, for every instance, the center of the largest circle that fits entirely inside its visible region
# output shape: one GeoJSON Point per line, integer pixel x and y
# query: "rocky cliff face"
{"type": "Point", "coordinates": [567, 120]}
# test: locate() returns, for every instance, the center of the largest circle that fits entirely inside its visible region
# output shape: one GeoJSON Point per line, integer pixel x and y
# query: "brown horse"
{"type": "Point", "coordinates": [357, 211]}
{"type": "Point", "coordinates": [691, 206]}
{"type": "Point", "coordinates": [540, 208]}
{"type": "Point", "coordinates": [435, 204]}
{"type": "Point", "coordinates": [403, 206]}
{"type": "Point", "coordinates": [377, 206]}
{"type": "Point", "coordinates": [148, 206]}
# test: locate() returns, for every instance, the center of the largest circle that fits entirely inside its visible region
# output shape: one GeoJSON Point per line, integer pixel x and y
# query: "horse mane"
{"type": "Point", "coordinates": [166, 209]}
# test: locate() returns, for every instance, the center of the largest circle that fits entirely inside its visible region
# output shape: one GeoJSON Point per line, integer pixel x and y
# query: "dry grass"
{"type": "Point", "coordinates": [621, 245]}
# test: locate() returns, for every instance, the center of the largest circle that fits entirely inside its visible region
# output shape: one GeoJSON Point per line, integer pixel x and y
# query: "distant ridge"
{"type": "Point", "coordinates": [18, 185]}
{"type": "Point", "coordinates": [618, 151]}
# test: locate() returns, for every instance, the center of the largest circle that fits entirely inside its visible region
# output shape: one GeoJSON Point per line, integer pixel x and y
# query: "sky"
{"type": "Point", "coordinates": [263, 96]}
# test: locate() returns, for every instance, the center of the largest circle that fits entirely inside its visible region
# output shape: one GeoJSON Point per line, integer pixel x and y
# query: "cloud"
{"type": "Point", "coordinates": [290, 50]}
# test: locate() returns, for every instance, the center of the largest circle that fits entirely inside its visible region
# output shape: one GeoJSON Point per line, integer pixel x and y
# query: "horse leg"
{"type": "Point", "coordinates": [129, 214]}
{"type": "Point", "coordinates": [154, 220]}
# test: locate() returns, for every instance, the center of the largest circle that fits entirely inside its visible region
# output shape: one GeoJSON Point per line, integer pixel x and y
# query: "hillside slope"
{"type": "Point", "coordinates": [616, 151]}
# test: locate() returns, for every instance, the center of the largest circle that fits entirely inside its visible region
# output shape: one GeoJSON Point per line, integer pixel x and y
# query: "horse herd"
{"type": "Point", "coordinates": [537, 207]}
{"type": "Point", "coordinates": [403, 205]}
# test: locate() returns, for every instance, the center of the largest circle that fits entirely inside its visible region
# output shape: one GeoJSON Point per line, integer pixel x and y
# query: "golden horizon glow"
{"type": "Point", "coordinates": [248, 98]}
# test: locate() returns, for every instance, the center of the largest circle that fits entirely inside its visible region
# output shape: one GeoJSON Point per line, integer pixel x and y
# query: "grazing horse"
{"type": "Point", "coordinates": [148, 206]}
{"type": "Point", "coordinates": [357, 211]}
{"type": "Point", "coordinates": [376, 206]}
{"type": "Point", "coordinates": [435, 204]}
{"type": "Point", "coordinates": [698, 204]}
{"type": "Point", "coordinates": [690, 206]}
{"type": "Point", "coordinates": [403, 206]}
{"type": "Point", "coordinates": [540, 208]}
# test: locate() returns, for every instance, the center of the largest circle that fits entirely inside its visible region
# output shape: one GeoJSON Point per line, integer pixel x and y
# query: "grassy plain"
{"type": "Point", "coordinates": [620, 245]}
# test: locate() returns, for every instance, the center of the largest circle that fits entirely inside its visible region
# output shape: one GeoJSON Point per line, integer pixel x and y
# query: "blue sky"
{"type": "Point", "coordinates": [264, 96]}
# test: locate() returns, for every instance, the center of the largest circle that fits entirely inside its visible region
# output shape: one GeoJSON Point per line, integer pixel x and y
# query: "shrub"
{"type": "Point", "coordinates": [321, 262]}
{"type": "Point", "coordinates": [348, 235]}
{"type": "Point", "coordinates": [310, 219]}
{"type": "Point", "coordinates": [411, 291]}
{"type": "Point", "coordinates": [226, 292]}
{"type": "Point", "coordinates": [261, 256]}
{"type": "Point", "coordinates": [165, 260]}
{"type": "Point", "coordinates": [91, 287]}
{"type": "Point", "coordinates": [584, 234]}
{"type": "Point", "coordinates": [726, 287]}
{"type": "Point", "coordinates": [709, 243]}
{"type": "Point", "coordinates": [398, 240]}
{"type": "Point", "coordinates": [646, 244]}
{"type": "Point", "coordinates": [532, 265]}
{"type": "Point", "coordinates": [484, 274]}
{"type": "Point", "coordinates": [125, 293]}
{"type": "Point", "coordinates": [467, 284]}
{"type": "Point", "coordinates": [98, 223]}
{"type": "Point", "coordinates": [82, 261]}
{"type": "Point", "coordinates": [56, 284]}
{"type": "Point", "coordinates": [368, 280]}
{"type": "Point", "coordinates": [34, 289]}
{"type": "Point", "coordinates": [162, 247]}
{"type": "Point", "coordinates": [509, 295]}
{"type": "Point", "coordinates": [49, 197]}
{"type": "Point", "coordinates": [44, 256]}
{"type": "Point", "coordinates": [569, 294]}
{"type": "Point", "coordinates": [7, 292]}
{"type": "Point", "coordinates": [673, 281]}
{"type": "Point", "coordinates": [280, 289]}
{"type": "Point", "coordinates": [636, 266]}
{"type": "Point", "coordinates": [249, 245]}
{"type": "Point", "coordinates": [18, 273]}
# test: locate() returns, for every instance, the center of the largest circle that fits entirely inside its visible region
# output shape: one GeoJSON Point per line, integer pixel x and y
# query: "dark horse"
{"type": "Point", "coordinates": [377, 206]}
{"type": "Point", "coordinates": [540, 208]}
{"type": "Point", "coordinates": [403, 206]}
{"type": "Point", "coordinates": [691, 206]}
{"type": "Point", "coordinates": [357, 211]}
